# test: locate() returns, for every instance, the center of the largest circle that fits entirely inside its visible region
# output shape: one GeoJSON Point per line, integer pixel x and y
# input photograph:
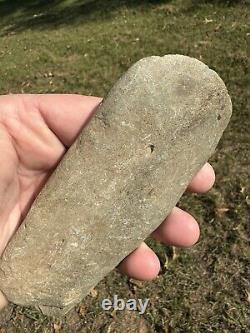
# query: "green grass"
{"type": "Point", "coordinates": [83, 47]}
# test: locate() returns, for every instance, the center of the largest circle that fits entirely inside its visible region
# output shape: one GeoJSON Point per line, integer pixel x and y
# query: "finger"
{"type": "Point", "coordinates": [66, 114]}
{"type": "Point", "coordinates": [141, 264]}
{"type": "Point", "coordinates": [203, 180]}
{"type": "Point", "coordinates": [3, 301]}
{"type": "Point", "coordinates": [178, 229]}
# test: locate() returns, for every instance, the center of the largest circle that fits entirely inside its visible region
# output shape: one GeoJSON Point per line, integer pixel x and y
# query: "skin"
{"type": "Point", "coordinates": [35, 132]}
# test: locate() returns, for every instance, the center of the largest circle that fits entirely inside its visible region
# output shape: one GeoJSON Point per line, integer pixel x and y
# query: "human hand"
{"type": "Point", "coordinates": [35, 132]}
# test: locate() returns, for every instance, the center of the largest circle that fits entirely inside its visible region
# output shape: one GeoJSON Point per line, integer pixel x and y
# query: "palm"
{"type": "Point", "coordinates": [30, 149]}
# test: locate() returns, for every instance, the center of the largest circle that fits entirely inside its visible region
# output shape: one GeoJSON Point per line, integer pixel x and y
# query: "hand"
{"type": "Point", "coordinates": [35, 131]}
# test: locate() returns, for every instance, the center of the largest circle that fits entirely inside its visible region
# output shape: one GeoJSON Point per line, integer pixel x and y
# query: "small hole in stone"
{"type": "Point", "coordinates": [152, 147]}
{"type": "Point", "coordinates": [219, 117]}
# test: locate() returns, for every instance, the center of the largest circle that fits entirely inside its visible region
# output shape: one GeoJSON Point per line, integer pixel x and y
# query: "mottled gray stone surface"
{"type": "Point", "coordinates": [123, 175]}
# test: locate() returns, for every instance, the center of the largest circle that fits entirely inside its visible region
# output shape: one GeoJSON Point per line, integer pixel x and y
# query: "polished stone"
{"type": "Point", "coordinates": [120, 179]}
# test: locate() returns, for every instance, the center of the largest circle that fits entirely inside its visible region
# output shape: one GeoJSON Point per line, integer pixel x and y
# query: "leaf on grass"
{"type": "Point", "coordinates": [248, 296]}
{"type": "Point", "coordinates": [220, 211]}
{"type": "Point", "coordinates": [93, 292]}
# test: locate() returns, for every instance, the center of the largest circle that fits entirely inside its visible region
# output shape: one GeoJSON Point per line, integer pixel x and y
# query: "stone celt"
{"type": "Point", "coordinates": [119, 180]}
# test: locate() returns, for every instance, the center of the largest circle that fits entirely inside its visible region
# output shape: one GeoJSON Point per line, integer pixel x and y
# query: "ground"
{"type": "Point", "coordinates": [83, 47]}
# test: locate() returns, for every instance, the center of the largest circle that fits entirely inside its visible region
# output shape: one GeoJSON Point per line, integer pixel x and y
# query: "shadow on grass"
{"type": "Point", "coordinates": [17, 16]}
{"type": "Point", "coordinates": [224, 3]}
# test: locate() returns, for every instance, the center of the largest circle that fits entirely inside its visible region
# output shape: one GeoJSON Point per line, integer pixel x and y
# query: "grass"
{"type": "Point", "coordinates": [83, 47]}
